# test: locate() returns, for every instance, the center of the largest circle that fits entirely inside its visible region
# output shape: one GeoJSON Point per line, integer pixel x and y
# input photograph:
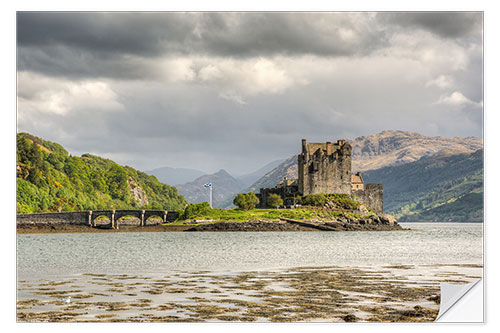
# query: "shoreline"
{"type": "Point", "coordinates": [385, 293]}
{"type": "Point", "coordinates": [250, 226]}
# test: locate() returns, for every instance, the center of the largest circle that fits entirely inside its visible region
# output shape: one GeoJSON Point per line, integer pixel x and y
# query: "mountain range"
{"type": "Point", "coordinates": [388, 148]}
{"type": "Point", "coordinates": [424, 177]}
{"type": "Point", "coordinates": [225, 186]}
{"type": "Point", "coordinates": [399, 147]}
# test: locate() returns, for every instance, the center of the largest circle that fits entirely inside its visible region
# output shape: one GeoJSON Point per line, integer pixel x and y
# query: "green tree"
{"type": "Point", "coordinates": [35, 156]}
{"type": "Point", "coordinates": [117, 182]}
{"type": "Point", "coordinates": [23, 148]}
{"type": "Point", "coordinates": [274, 200]}
{"type": "Point", "coordinates": [246, 201]}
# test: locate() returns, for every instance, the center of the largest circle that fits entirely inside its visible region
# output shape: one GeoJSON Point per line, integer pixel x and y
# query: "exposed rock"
{"type": "Point", "coordinates": [362, 210]}
{"type": "Point", "coordinates": [387, 219]}
{"type": "Point", "coordinates": [137, 192]}
{"type": "Point", "coordinates": [292, 225]}
{"type": "Point", "coordinates": [22, 171]}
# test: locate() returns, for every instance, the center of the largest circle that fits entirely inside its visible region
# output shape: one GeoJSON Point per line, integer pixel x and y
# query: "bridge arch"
{"type": "Point", "coordinates": [162, 214]}
{"type": "Point", "coordinates": [132, 212]}
{"type": "Point", "coordinates": [115, 214]}
{"type": "Point", "coordinates": [93, 215]}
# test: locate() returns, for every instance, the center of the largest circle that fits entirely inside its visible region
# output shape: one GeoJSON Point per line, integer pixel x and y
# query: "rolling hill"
{"type": "Point", "coordinates": [49, 179]}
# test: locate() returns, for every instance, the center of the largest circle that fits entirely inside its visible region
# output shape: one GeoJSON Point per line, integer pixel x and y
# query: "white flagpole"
{"type": "Point", "coordinates": [211, 197]}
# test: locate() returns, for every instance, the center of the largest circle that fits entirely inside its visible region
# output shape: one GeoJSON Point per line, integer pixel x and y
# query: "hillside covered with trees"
{"type": "Point", "coordinates": [441, 187]}
{"type": "Point", "coordinates": [49, 179]}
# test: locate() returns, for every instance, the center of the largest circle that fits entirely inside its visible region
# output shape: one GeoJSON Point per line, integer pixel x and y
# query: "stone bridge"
{"type": "Point", "coordinates": [89, 217]}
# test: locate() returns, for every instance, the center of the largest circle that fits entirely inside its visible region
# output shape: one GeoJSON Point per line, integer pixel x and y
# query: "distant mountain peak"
{"type": "Point", "coordinates": [222, 173]}
{"type": "Point", "coordinates": [387, 148]}
{"type": "Point", "coordinates": [224, 186]}
{"type": "Point", "coordinates": [175, 176]}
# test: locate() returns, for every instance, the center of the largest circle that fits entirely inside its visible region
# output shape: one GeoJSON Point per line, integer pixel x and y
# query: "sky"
{"type": "Point", "coordinates": [235, 91]}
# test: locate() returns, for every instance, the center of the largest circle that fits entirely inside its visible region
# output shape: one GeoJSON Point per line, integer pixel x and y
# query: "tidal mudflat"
{"type": "Point", "coordinates": [408, 293]}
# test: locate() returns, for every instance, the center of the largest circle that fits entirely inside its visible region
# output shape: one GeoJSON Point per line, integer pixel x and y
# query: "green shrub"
{"type": "Point", "coordinates": [195, 210]}
{"type": "Point", "coordinates": [316, 200]}
{"type": "Point", "coordinates": [341, 201]}
{"type": "Point", "coordinates": [246, 201]}
{"type": "Point", "coordinates": [274, 200]}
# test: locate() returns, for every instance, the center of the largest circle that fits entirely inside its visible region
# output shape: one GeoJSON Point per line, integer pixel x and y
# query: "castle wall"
{"type": "Point", "coordinates": [325, 168]}
{"type": "Point", "coordinates": [372, 197]}
{"type": "Point", "coordinates": [286, 193]}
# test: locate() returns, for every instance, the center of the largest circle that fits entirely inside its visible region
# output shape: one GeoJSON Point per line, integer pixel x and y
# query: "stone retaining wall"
{"type": "Point", "coordinates": [81, 218]}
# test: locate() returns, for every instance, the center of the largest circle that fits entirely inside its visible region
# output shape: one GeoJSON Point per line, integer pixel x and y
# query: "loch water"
{"type": "Point", "coordinates": [62, 255]}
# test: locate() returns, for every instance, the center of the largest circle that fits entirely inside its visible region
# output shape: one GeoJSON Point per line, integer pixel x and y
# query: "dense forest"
{"type": "Point", "coordinates": [50, 180]}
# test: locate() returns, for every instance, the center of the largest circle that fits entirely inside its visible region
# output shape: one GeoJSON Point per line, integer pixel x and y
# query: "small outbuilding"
{"type": "Point", "coordinates": [357, 182]}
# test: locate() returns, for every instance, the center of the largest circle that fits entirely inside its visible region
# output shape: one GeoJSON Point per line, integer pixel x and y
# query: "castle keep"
{"type": "Point", "coordinates": [326, 168]}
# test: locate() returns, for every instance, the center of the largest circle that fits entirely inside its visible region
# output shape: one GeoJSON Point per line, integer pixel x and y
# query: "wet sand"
{"type": "Point", "coordinates": [403, 293]}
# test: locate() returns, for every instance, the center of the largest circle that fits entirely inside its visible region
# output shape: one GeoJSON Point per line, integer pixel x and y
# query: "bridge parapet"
{"type": "Point", "coordinates": [73, 218]}
{"type": "Point", "coordinates": [89, 217]}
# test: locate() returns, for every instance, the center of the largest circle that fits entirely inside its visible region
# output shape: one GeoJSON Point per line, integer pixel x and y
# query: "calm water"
{"type": "Point", "coordinates": [49, 255]}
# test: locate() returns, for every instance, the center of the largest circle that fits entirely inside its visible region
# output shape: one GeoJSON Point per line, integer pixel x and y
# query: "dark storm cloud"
{"type": "Point", "coordinates": [129, 33]}
{"type": "Point", "coordinates": [444, 24]}
{"type": "Point", "coordinates": [254, 34]}
{"type": "Point", "coordinates": [212, 33]}
{"type": "Point", "coordinates": [100, 44]}
{"type": "Point", "coordinates": [237, 90]}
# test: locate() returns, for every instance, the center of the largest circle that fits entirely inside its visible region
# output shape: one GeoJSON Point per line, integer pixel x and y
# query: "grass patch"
{"type": "Point", "coordinates": [238, 215]}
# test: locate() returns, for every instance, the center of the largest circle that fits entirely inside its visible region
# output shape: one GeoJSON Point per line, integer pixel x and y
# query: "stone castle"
{"type": "Point", "coordinates": [326, 168]}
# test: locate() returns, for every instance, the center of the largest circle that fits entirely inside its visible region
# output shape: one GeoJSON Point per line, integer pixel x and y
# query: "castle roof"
{"type": "Point", "coordinates": [356, 178]}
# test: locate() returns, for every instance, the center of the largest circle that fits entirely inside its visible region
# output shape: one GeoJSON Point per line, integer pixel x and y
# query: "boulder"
{"type": "Point", "coordinates": [362, 210]}
{"type": "Point", "coordinates": [388, 219]}
{"type": "Point", "coordinates": [375, 219]}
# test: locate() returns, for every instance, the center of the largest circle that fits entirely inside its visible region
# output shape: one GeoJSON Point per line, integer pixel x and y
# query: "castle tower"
{"type": "Point", "coordinates": [325, 168]}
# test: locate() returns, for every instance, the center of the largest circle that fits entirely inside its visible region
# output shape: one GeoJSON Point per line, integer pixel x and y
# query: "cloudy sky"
{"type": "Point", "coordinates": [238, 90]}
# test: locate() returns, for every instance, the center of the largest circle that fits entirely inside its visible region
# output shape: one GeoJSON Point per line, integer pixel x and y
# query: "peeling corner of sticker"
{"type": "Point", "coordinates": [451, 294]}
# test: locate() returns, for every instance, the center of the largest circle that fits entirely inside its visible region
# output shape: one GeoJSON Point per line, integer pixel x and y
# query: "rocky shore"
{"type": "Point", "coordinates": [293, 225]}
{"type": "Point", "coordinates": [299, 294]}
{"type": "Point", "coordinates": [281, 225]}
